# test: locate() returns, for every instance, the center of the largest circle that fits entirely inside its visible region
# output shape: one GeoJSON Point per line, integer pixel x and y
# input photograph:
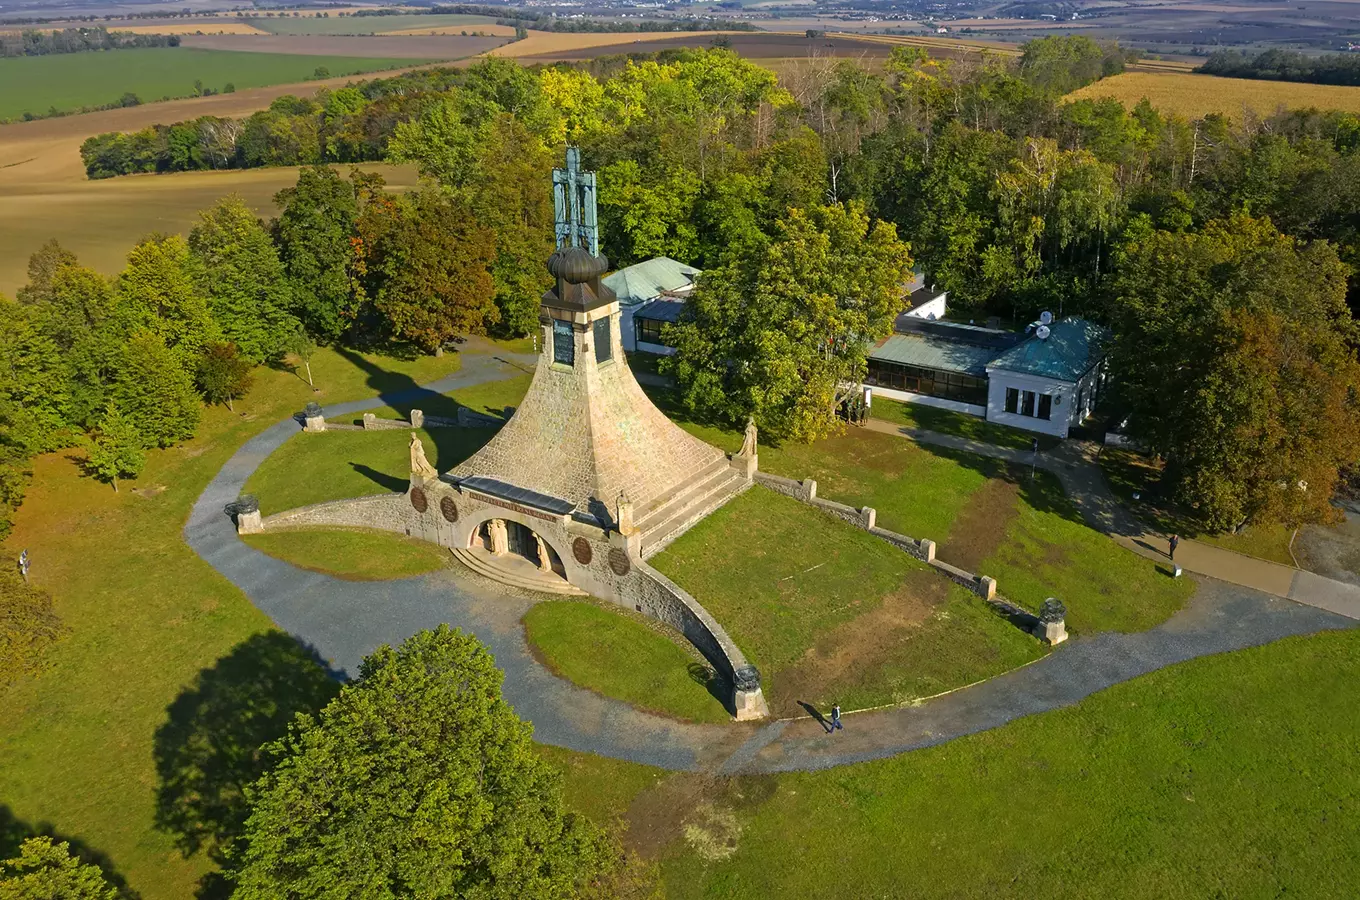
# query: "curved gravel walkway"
{"type": "Point", "coordinates": [345, 620]}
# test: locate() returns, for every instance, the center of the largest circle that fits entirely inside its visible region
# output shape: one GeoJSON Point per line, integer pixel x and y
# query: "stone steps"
{"type": "Point", "coordinates": [675, 519]}
{"type": "Point", "coordinates": [526, 576]}
{"type": "Point", "coordinates": [664, 507]}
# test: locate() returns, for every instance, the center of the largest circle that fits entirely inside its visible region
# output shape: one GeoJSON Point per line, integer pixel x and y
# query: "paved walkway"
{"type": "Point", "coordinates": [345, 620]}
{"type": "Point", "coordinates": [1074, 463]}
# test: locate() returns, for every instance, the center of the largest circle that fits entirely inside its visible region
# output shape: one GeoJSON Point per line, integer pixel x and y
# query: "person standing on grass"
{"type": "Point", "coordinates": [1173, 544]}
{"type": "Point", "coordinates": [836, 717]}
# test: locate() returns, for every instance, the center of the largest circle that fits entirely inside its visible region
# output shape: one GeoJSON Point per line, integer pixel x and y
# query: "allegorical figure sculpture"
{"type": "Point", "coordinates": [420, 466]}
{"type": "Point", "coordinates": [748, 442]}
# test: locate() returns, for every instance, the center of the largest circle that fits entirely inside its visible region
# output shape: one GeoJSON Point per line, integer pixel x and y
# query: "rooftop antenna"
{"type": "Point", "coordinates": [1045, 318]}
{"type": "Point", "coordinates": [1041, 332]}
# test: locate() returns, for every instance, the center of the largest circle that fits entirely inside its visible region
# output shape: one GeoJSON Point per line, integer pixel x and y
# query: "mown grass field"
{"type": "Point", "coordinates": [620, 654]}
{"type": "Point", "coordinates": [1191, 95]}
{"type": "Point", "coordinates": [1227, 776]}
{"type": "Point", "coordinates": [352, 553]}
{"type": "Point", "coordinates": [68, 81]}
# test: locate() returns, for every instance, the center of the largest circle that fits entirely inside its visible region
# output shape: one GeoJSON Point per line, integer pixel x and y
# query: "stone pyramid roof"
{"type": "Point", "coordinates": [587, 434]}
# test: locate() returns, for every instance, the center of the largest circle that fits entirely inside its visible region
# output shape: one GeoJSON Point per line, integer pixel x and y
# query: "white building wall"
{"type": "Point", "coordinates": [971, 409]}
{"type": "Point", "coordinates": [931, 309]}
{"type": "Point", "coordinates": [1064, 402]}
{"type": "Point", "coordinates": [658, 349]}
{"type": "Point", "coordinates": [626, 330]}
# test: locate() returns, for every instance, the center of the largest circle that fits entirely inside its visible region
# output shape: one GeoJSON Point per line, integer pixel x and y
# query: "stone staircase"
{"type": "Point", "coordinates": [516, 572]}
{"type": "Point", "coordinates": [671, 516]}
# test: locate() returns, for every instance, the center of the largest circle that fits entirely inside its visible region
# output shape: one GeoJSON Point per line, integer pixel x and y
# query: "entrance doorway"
{"type": "Point", "coordinates": [506, 538]}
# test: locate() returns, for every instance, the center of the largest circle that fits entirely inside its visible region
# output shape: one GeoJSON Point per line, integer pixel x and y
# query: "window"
{"type": "Point", "coordinates": [604, 346]}
{"type": "Point", "coordinates": [1012, 400]}
{"type": "Point", "coordinates": [649, 331]}
{"type": "Point", "coordinates": [1045, 406]}
{"type": "Point", "coordinates": [564, 345]}
{"type": "Point", "coordinates": [931, 382]}
{"type": "Point", "coordinates": [1027, 404]}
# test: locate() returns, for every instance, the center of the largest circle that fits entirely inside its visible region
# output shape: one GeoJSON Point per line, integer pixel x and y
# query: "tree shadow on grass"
{"type": "Point", "coordinates": [210, 749]}
{"type": "Point", "coordinates": [13, 833]}
{"type": "Point", "coordinates": [389, 482]}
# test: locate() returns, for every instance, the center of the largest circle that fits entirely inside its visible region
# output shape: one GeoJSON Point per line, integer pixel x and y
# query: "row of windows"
{"type": "Point", "coordinates": [1028, 403]}
{"type": "Point", "coordinates": [564, 342]}
{"type": "Point", "coordinates": [931, 382]}
{"type": "Point", "coordinates": [649, 331]}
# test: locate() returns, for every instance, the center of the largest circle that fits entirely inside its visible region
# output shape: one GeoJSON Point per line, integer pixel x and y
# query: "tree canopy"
{"type": "Point", "coordinates": [45, 870]}
{"type": "Point", "coordinates": [417, 780]}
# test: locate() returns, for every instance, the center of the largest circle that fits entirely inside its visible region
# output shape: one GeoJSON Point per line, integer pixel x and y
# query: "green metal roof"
{"type": "Point", "coordinates": [931, 352]}
{"type": "Point", "coordinates": [645, 281]}
{"type": "Point", "coordinates": [1072, 347]}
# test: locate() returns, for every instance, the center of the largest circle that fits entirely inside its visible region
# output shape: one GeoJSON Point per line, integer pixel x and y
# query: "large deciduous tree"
{"type": "Point", "coordinates": [313, 232]}
{"type": "Point", "coordinates": [155, 393]}
{"type": "Point", "coordinates": [418, 780]}
{"type": "Point", "coordinates": [781, 334]}
{"type": "Point", "coordinates": [44, 870]}
{"type": "Point", "coordinates": [160, 291]}
{"type": "Point", "coordinates": [114, 450]}
{"type": "Point", "coordinates": [1235, 351]}
{"type": "Point", "coordinates": [422, 263]}
{"type": "Point", "coordinates": [240, 273]}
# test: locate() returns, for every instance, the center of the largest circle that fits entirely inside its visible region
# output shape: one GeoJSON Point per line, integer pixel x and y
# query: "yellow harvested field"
{"type": "Point", "coordinates": [1197, 95]}
{"type": "Point", "coordinates": [541, 43]}
{"type": "Point", "coordinates": [476, 28]}
{"type": "Point", "coordinates": [205, 26]}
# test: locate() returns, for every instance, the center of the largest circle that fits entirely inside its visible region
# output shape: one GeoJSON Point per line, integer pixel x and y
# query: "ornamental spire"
{"type": "Point", "coordinates": [574, 205]}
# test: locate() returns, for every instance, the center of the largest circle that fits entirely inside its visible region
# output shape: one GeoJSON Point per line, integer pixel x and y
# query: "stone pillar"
{"type": "Point", "coordinates": [748, 701]}
{"type": "Point", "coordinates": [544, 560]}
{"type": "Point", "coordinates": [986, 587]}
{"type": "Point", "coordinates": [624, 515]}
{"type": "Point", "coordinates": [500, 537]}
{"type": "Point", "coordinates": [417, 418]}
{"type": "Point", "coordinates": [867, 517]}
{"type": "Point", "coordinates": [809, 486]}
{"type": "Point", "coordinates": [246, 510]}
{"type": "Point", "coordinates": [1052, 625]}
{"type": "Point", "coordinates": [927, 549]}
{"type": "Point", "coordinates": [312, 419]}
{"type": "Point", "coordinates": [370, 421]}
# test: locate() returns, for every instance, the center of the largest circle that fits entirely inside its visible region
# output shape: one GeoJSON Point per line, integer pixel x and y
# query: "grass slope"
{"type": "Point", "coordinates": [945, 421]}
{"type": "Point", "coordinates": [352, 553]}
{"type": "Point", "coordinates": [69, 81]}
{"type": "Point", "coordinates": [623, 656]}
{"type": "Point", "coordinates": [830, 613]}
{"type": "Point", "coordinates": [146, 615]}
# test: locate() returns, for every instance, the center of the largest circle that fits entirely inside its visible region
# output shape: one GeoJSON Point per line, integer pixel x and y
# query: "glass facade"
{"type": "Point", "coordinates": [931, 382]}
{"type": "Point", "coordinates": [649, 331]}
{"type": "Point", "coordinates": [604, 344]}
{"type": "Point", "coordinates": [564, 344]}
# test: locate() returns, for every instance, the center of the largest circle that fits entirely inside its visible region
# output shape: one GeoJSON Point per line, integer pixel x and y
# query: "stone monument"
{"type": "Point", "coordinates": [1052, 625]}
{"type": "Point", "coordinates": [312, 419]}
{"type": "Point", "coordinates": [246, 510]}
{"type": "Point", "coordinates": [421, 470]}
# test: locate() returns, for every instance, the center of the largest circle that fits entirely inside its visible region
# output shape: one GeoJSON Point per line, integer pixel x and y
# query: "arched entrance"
{"type": "Point", "coordinates": [517, 549]}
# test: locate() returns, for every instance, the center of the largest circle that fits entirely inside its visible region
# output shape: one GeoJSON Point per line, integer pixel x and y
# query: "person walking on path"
{"type": "Point", "coordinates": [1173, 544]}
{"type": "Point", "coordinates": [836, 717]}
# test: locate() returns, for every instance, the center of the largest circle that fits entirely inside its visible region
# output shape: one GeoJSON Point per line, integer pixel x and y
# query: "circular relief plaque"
{"type": "Point", "coordinates": [580, 548]}
{"type": "Point", "coordinates": [449, 509]}
{"type": "Point", "coordinates": [418, 499]}
{"type": "Point", "coordinates": [618, 561]}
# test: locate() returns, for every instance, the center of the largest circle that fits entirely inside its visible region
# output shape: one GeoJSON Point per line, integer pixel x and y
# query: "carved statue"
{"type": "Point", "coordinates": [748, 443]}
{"type": "Point", "coordinates": [624, 514]}
{"type": "Point", "coordinates": [420, 466]}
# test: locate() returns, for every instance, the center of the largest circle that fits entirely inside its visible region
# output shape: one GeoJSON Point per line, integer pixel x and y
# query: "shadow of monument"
{"type": "Point", "coordinates": [13, 832]}
{"type": "Point", "coordinates": [212, 744]}
{"type": "Point", "coordinates": [388, 482]}
{"type": "Point", "coordinates": [718, 688]}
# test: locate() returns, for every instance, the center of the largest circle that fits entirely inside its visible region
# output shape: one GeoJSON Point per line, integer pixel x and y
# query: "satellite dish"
{"type": "Point", "coordinates": [1042, 332]}
{"type": "Point", "coordinates": [1045, 318]}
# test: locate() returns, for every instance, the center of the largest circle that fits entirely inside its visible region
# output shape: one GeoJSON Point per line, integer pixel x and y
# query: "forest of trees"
{"type": "Point", "coordinates": [973, 170]}
{"type": "Point", "coordinates": [1285, 65]}
{"type": "Point", "coordinates": [76, 40]}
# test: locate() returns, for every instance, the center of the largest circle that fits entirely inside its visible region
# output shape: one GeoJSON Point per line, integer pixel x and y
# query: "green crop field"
{"type": "Point", "coordinates": [69, 81]}
{"type": "Point", "coordinates": [363, 24]}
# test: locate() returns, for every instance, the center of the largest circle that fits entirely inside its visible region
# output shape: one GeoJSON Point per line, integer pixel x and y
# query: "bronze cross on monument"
{"type": "Point", "coordinates": [574, 205]}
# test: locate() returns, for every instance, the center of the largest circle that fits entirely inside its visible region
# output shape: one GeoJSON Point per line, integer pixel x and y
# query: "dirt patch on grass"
{"type": "Point", "coordinates": [845, 653]}
{"type": "Point", "coordinates": [983, 524]}
{"type": "Point", "coordinates": [700, 809]}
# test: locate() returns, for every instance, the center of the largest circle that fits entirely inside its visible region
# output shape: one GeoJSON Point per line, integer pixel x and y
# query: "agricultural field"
{"type": "Point", "coordinates": [68, 81]}
{"type": "Point", "coordinates": [1192, 95]}
{"type": "Point", "coordinates": [407, 47]}
{"type": "Point", "coordinates": [202, 26]}
{"type": "Point", "coordinates": [553, 47]}
{"type": "Point", "coordinates": [333, 24]}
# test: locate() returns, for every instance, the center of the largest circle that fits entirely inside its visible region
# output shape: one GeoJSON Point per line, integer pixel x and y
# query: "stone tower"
{"type": "Point", "coordinates": [586, 435]}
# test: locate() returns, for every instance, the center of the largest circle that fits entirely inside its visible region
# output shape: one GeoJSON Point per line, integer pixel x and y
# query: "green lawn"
{"type": "Point", "coordinates": [362, 24]}
{"type": "Point", "coordinates": [1128, 472]}
{"type": "Point", "coordinates": [945, 421]}
{"type": "Point", "coordinates": [70, 81]}
{"type": "Point", "coordinates": [344, 464]}
{"type": "Point", "coordinates": [830, 613]}
{"type": "Point", "coordinates": [1227, 776]}
{"type": "Point", "coordinates": [622, 655]}
{"type": "Point", "coordinates": [353, 553]}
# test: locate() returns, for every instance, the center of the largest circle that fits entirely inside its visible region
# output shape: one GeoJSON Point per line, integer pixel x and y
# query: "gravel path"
{"type": "Point", "coordinates": [345, 620]}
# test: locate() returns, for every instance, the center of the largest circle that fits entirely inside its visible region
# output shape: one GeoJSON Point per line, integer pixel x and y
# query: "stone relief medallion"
{"type": "Point", "coordinates": [580, 548]}
{"type": "Point", "coordinates": [449, 509]}
{"type": "Point", "coordinates": [618, 561]}
{"type": "Point", "coordinates": [418, 499]}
